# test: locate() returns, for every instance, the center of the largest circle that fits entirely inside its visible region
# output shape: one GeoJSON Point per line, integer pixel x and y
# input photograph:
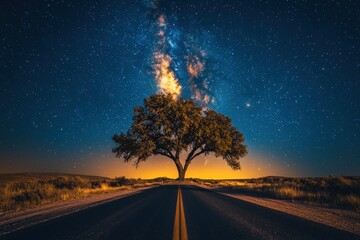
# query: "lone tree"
{"type": "Point", "coordinates": [168, 127]}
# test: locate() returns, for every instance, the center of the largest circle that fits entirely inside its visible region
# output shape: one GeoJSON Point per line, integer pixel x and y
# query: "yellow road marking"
{"type": "Point", "coordinates": [180, 231]}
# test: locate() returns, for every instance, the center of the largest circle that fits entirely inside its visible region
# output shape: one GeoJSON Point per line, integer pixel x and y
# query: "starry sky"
{"type": "Point", "coordinates": [286, 72]}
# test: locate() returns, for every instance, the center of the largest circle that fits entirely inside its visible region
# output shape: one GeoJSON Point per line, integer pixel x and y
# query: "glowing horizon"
{"type": "Point", "coordinates": [209, 167]}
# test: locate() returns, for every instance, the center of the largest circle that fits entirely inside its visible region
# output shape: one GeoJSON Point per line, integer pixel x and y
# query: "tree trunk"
{"type": "Point", "coordinates": [181, 174]}
{"type": "Point", "coordinates": [181, 169]}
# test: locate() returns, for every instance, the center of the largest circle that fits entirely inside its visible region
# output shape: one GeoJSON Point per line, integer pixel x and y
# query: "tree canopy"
{"type": "Point", "coordinates": [168, 127]}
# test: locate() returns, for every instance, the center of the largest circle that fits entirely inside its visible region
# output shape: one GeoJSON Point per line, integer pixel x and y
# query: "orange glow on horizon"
{"type": "Point", "coordinates": [209, 167]}
{"type": "Point", "coordinates": [252, 166]}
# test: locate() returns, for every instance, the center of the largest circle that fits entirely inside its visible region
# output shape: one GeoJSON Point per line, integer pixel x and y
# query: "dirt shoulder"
{"type": "Point", "coordinates": [346, 220]}
{"type": "Point", "coordinates": [13, 221]}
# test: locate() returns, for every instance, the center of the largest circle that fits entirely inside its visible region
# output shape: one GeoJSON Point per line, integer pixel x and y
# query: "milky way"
{"type": "Point", "coordinates": [288, 74]}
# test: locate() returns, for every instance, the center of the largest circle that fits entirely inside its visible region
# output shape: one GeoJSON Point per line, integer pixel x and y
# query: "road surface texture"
{"type": "Point", "coordinates": [173, 212]}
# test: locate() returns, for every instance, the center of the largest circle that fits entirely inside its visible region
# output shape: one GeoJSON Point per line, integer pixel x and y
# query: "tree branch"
{"type": "Point", "coordinates": [171, 154]}
{"type": "Point", "coordinates": [164, 154]}
{"type": "Point", "coordinates": [197, 154]}
{"type": "Point", "coordinates": [189, 157]}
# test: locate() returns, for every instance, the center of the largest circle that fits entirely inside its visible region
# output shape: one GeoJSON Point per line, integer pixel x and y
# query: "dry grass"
{"type": "Point", "coordinates": [23, 191]}
{"type": "Point", "coordinates": [350, 201]}
{"type": "Point", "coordinates": [335, 191]}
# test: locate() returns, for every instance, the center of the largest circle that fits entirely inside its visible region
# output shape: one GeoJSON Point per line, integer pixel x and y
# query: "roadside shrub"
{"type": "Point", "coordinates": [29, 190]}
{"type": "Point", "coordinates": [336, 191]}
{"type": "Point", "coordinates": [351, 201]}
{"type": "Point", "coordinates": [71, 182]}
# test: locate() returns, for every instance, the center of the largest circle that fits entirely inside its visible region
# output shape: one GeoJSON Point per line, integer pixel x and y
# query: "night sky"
{"type": "Point", "coordinates": [286, 72]}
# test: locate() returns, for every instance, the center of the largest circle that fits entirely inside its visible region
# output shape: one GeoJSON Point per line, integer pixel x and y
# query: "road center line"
{"type": "Point", "coordinates": [180, 231]}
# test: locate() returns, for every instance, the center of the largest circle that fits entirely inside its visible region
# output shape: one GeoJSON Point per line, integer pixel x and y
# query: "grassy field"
{"type": "Point", "coordinates": [27, 190]}
{"type": "Point", "coordinates": [332, 191]}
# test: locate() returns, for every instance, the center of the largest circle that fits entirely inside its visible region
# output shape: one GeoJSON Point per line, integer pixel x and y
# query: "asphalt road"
{"type": "Point", "coordinates": [152, 214]}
